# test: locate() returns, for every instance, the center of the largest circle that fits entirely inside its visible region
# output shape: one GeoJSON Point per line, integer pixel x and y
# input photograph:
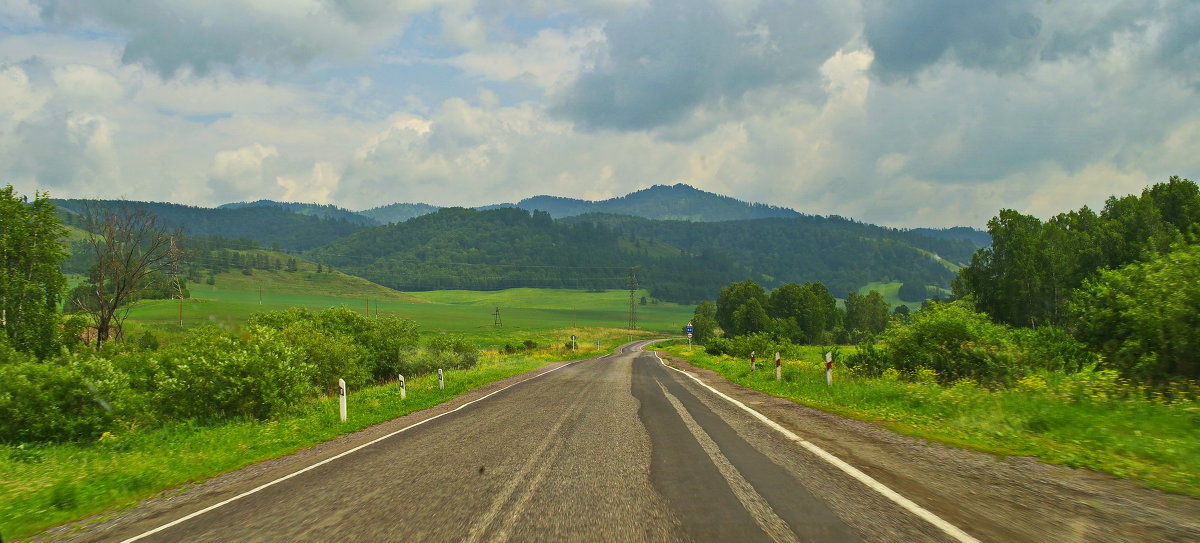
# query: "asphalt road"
{"type": "Point", "coordinates": [618, 448]}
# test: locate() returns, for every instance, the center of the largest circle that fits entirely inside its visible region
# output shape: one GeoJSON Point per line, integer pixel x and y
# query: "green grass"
{"type": "Point", "coordinates": [542, 315]}
{"type": "Point", "coordinates": [1154, 442]}
{"type": "Point", "coordinates": [48, 485]}
{"type": "Point", "coordinates": [891, 294]}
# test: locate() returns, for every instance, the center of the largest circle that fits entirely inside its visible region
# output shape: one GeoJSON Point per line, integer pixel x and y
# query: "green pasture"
{"type": "Point", "coordinates": [891, 294]}
{"type": "Point", "coordinates": [541, 315]}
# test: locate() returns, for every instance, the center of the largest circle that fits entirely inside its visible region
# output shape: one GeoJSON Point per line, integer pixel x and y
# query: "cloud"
{"type": "Point", "coordinates": [1008, 36]}
{"type": "Point", "coordinates": [241, 173]}
{"type": "Point", "coordinates": [909, 36]}
{"type": "Point", "coordinates": [665, 61]}
{"type": "Point", "coordinates": [183, 36]}
{"type": "Point", "coordinates": [548, 60]}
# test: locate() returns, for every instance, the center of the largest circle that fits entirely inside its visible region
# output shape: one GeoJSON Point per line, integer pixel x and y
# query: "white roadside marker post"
{"type": "Point", "coordinates": [778, 368]}
{"type": "Point", "coordinates": [829, 369]}
{"type": "Point", "coordinates": [342, 398]}
{"type": "Point", "coordinates": [752, 366]}
{"type": "Point", "coordinates": [403, 392]}
{"type": "Point", "coordinates": [441, 379]}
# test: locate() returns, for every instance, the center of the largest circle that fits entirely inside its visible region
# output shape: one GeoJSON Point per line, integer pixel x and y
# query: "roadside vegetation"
{"type": "Point", "coordinates": [1076, 339]}
{"type": "Point", "coordinates": [49, 483]}
{"type": "Point", "coordinates": [1090, 419]}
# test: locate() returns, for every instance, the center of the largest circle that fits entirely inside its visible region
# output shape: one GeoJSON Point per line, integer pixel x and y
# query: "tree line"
{"type": "Point", "coordinates": [1121, 280]}
{"type": "Point", "coordinates": [1118, 289]}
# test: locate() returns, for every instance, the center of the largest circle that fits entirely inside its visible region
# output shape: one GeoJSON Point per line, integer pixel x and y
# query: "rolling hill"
{"type": "Point", "coordinates": [322, 211]}
{"type": "Point", "coordinates": [270, 226]}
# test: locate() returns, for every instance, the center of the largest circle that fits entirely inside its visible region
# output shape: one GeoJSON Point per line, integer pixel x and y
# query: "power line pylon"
{"type": "Point", "coordinates": [496, 322]}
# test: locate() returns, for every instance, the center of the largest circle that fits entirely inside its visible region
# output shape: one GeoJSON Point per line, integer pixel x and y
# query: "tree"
{"type": "Point", "coordinates": [810, 306]}
{"type": "Point", "coordinates": [1145, 317]}
{"type": "Point", "coordinates": [129, 244]}
{"type": "Point", "coordinates": [733, 297]}
{"type": "Point", "coordinates": [704, 322]}
{"type": "Point", "coordinates": [866, 313]}
{"type": "Point", "coordinates": [31, 249]}
{"type": "Point", "coordinates": [750, 318]}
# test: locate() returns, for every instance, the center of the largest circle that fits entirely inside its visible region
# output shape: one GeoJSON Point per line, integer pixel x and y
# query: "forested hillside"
{"type": "Point", "coordinates": [458, 248]}
{"type": "Point", "coordinates": [662, 202]}
{"type": "Point", "coordinates": [397, 212]}
{"type": "Point", "coordinates": [271, 226]}
{"type": "Point", "coordinates": [841, 253]}
{"type": "Point", "coordinates": [323, 211]}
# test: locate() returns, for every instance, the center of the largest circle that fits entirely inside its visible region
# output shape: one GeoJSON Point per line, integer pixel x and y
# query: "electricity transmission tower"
{"type": "Point", "coordinates": [496, 322]}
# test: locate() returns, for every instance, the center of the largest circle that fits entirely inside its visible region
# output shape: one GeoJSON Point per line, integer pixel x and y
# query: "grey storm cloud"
{"type": "Point", "coordinates": [1005, 36]}
{"type": "Point", "coordinates": [910, 35]}
{"type": "Point", "coordinates": [668, 59]}
{"type": "Point", "coordinates": [173, 35]}
{"type": "Point", "coordinates": [1179, 49]}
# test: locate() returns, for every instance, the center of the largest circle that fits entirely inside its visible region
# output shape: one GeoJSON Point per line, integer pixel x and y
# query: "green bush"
{"type": "Point", "coordinates": [381, 341]}
{"type": "Point", "coordinates": [456, 350]}
{"type": "Point", "coordinates": [1145, 318]}
{"type": "Point", "coordinates": [952, 340]}
{"type": "Point", "coordinates": [385, 341]}
{"type": "Point", "coordinates": [67, 398]}
{"type": "Point", "coordinates": [332, 357]}
{"type": "Point", "coordinates": [214, 375]}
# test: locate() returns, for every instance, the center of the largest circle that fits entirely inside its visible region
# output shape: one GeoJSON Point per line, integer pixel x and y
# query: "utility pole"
{"type": "Point", "coordinates": [632, 302]}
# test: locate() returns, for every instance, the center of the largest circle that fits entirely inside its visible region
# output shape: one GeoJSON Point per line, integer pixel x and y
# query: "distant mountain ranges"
{"type": "Point", "coordinates": [685, 242]}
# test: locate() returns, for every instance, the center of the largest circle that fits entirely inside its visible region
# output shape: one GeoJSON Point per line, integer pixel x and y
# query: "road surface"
{"type": "Point", "coordinates": [624, 448]}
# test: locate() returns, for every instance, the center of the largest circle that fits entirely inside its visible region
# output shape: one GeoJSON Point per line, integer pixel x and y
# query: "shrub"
{"type": "Point", "coordinates": [951, 340]}
{"type": "Point", "coordinates": [213, 375]}
{"type": "Point", "coordinates": [330, 356]}
{"type": "Point", "coordinates": [456, 350]}
{"type": "Point", "coordinates": [63, 399]}
{"type": "Point", "coordinates": [1145, 317]}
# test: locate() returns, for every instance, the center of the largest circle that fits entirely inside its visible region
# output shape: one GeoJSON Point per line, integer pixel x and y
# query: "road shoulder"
{"type": "Point", "coordinates": [996, 498]}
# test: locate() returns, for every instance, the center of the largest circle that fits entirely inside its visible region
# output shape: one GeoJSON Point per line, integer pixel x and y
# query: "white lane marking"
{"type": "Point", "coordinates": [907, 504]}
{"type": "Point", "coordinates": [758, 507]}
{"type": "Point", "coordinates": [332, 458]}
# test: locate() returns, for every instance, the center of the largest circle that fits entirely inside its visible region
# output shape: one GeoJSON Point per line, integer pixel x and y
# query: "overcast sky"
{"type": "Point", "coordinates": [897, 112]}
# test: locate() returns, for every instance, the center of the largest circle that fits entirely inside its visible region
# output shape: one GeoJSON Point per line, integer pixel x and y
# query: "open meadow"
{"type": "Point", "coordinates": [540, 315]}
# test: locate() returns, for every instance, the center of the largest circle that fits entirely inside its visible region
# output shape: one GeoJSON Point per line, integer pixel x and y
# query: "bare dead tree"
{"type": "Point", "coordinates": [129, 243]}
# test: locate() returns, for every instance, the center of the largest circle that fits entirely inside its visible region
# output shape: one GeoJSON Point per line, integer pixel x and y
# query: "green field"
{"type": "Point", "coordinates": [891, 294]}
{"type": "Point", "coordinates": [541, 315]}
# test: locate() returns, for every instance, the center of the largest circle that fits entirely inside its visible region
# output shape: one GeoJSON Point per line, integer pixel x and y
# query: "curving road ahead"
{"type": "Point", "coordinates": [624, 448]}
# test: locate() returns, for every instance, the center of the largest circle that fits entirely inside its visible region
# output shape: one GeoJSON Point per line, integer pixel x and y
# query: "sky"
{"type": "Point", "coordinates": [897, 112]}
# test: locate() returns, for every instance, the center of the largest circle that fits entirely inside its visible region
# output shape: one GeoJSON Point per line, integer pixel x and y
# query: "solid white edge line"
{"type": "Point", "coordinates": [332, 458]}
{"type": "Point", "coordinates": [950, 529]}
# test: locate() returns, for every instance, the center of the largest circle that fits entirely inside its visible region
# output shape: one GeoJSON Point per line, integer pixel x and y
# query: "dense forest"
{"type": "Point", "coordinates": [458, 248]}
{"type": "Point", "coordinates": [321, 211]}
{"type": "Point", "coordinates": [663, 202]}
{"type": "Point", "coordinates": [272, 226]}
{"type": "Point", "coordinates": [679, 260]}
{"type": "Point", "coordinates": [841, 253]}
{"type": "Point", "coordinates": [399, 212]}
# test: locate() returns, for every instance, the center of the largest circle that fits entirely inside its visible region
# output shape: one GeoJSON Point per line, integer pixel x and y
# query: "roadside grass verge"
{"type": "Point", "coordinates": [1084, 420]}
{"type": "Point", "coordinates": [47, 485]}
